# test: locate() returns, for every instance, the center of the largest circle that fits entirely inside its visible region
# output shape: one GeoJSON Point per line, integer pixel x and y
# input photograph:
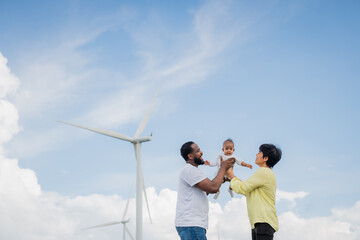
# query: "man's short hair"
{"type": "Point", "coordinates": [186, 149]}
{"type": "Point", "coordinates": [272, 152]}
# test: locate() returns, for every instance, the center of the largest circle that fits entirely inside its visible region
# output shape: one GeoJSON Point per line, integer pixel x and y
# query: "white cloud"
{"type": "Point", "coordinates": [52, 216]}
{"type": "Point", "coordinates": [190, 63]}
{"type": "Point", "coordinates": [193, 55]}
{"type": "Point", "coordinates": [233, 220]}
{"type": "Point", "coordinates": [192, 58]}
{"type": "Point", "coordinates": [9, 82]}
{"type": "Point", "coordinates": [8, 121]}
{"type": "Point", "coordinates": [294, 227]}
{"type": "Point", "coordinates": [290, 196]}
{"type": "Point", "coordinates": [133, 104]}
{"type": "Point", "coordinates": [53, 74]}
{"type": "Point", "coordinates": [8, 112]}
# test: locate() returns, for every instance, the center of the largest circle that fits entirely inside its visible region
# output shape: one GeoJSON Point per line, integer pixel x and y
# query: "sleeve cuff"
{"type": "Point", "coordinates": [234, 184]}
{"type": "Point", "coordinates": [234, 179]}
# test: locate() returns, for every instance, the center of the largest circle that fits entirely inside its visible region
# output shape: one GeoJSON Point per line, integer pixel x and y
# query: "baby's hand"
{"type": "Point", "coordinates": [248, 165]}
{"type": "Point", "coordinates": [207, 163]}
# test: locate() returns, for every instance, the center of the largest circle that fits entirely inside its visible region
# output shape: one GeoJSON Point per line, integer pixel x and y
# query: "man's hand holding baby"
{"type": "Point", "coordinates": [227, 164]}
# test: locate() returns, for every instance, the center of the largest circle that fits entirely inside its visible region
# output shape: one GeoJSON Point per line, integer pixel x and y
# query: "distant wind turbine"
{"type": "Point", "coordinates": [136, 141]}
{"type": "Point", "coordinates": [123, 222]}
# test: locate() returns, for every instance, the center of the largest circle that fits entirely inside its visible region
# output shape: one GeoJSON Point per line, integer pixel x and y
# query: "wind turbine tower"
{"type": "Point", "coordinates": [136, 141]}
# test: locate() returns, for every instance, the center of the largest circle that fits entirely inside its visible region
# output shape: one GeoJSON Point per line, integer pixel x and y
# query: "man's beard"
{"type": "Point", "coordinates": [199, 161]}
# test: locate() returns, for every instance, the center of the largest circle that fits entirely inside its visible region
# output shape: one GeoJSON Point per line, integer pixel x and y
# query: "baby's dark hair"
{"type": "Point", "coordinates": [272, 153]}
{"type": "Point", "coordinates": [228, 140]}
{"type": "Point", "coordinates": [186, 149]}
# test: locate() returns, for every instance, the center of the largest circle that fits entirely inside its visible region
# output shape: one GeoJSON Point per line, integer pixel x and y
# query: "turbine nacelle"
{"type": "Point", "coordinates": [125, 221]}
{"type": "Point", "coordinates": [142, 139]}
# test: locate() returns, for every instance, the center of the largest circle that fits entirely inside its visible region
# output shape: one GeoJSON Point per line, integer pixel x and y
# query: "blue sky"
{"type": "Point", "coordinates": [283, 72]}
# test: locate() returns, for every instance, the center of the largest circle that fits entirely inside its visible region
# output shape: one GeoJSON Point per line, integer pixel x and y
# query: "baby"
{"type": "Point", "coordinates": [228, 150]}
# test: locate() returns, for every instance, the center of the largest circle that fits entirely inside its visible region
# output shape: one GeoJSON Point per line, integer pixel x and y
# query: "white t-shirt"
{"type": "Point", "coordinates": [192, 207]}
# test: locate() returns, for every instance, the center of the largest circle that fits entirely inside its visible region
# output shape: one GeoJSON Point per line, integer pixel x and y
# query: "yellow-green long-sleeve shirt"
{"type": "Point", "coordinates": [259, 190]}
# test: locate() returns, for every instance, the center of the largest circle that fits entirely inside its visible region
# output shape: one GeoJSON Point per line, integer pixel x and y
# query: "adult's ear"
{"type": "Point", "coordinates": [266, 158]}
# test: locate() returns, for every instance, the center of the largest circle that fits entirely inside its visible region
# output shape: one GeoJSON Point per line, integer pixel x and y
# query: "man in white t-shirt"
{"type": "Point", "coordinates": [192, 208]}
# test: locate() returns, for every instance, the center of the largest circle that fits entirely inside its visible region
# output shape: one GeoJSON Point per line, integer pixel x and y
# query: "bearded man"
{"type": "Point", "coordinates": [192, 208]}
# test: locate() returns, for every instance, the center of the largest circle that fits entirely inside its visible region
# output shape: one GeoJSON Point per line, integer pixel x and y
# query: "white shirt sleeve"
{"type": "Point", "coordinates": [237, 160]}
{"type": "Point", "coordinates": [193, 175]}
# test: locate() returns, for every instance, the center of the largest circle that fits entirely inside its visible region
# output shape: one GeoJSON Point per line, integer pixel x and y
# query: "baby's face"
{"type": "Point", "coordinates": [228, 148]}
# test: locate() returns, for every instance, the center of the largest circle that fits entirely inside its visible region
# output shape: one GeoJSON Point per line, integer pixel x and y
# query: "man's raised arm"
{"type": "Point", "coordinates": [212, 186]}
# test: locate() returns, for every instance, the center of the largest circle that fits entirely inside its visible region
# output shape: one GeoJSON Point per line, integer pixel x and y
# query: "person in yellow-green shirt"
{"type": "Point", "coordinates": [259, 190]}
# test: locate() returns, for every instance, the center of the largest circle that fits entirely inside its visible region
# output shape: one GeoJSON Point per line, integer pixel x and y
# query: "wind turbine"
{"type": "Point", "coordinates": [136, 141]}
{"type": "Point", "coordinates": [123, 222]}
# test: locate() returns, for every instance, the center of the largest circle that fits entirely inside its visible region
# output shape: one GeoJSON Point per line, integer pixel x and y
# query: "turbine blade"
{"type": "Point", "coordinates": [127, 203]}
{"type": "Point", "coordinates": [146, 117]}
{"type": "Point", "coordinates": [102, 225]}
{"type": "Point", "coordinates": [128, 231]}
{"type": "Point", "coordinates": [146, 200]}
{"type": "Point", "coordinates": [101, 131]}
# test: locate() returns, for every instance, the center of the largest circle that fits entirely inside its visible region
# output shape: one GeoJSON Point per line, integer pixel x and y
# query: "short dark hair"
{"type": "Point", "coordinates": [228, 140]}
{"type": "Point", "coordinates": [186, 149]}
{"type": "Point", "coordinates": [272, 152]}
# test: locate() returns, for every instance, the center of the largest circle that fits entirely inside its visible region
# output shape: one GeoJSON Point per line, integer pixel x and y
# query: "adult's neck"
{"type": "Point", "coordinates": [264, 165]}
{"type": "Point", "coordinates": [192, 163]}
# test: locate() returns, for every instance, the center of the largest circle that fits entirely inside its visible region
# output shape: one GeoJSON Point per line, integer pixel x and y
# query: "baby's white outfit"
{"type": "Point", "coordinates": [217, 164]}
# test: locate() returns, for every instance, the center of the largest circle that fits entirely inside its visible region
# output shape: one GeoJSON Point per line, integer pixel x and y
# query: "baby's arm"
{"type": "Point", "coordinates": [242, 163]}
{"type": "Point", "coordinates": [211, 164]}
